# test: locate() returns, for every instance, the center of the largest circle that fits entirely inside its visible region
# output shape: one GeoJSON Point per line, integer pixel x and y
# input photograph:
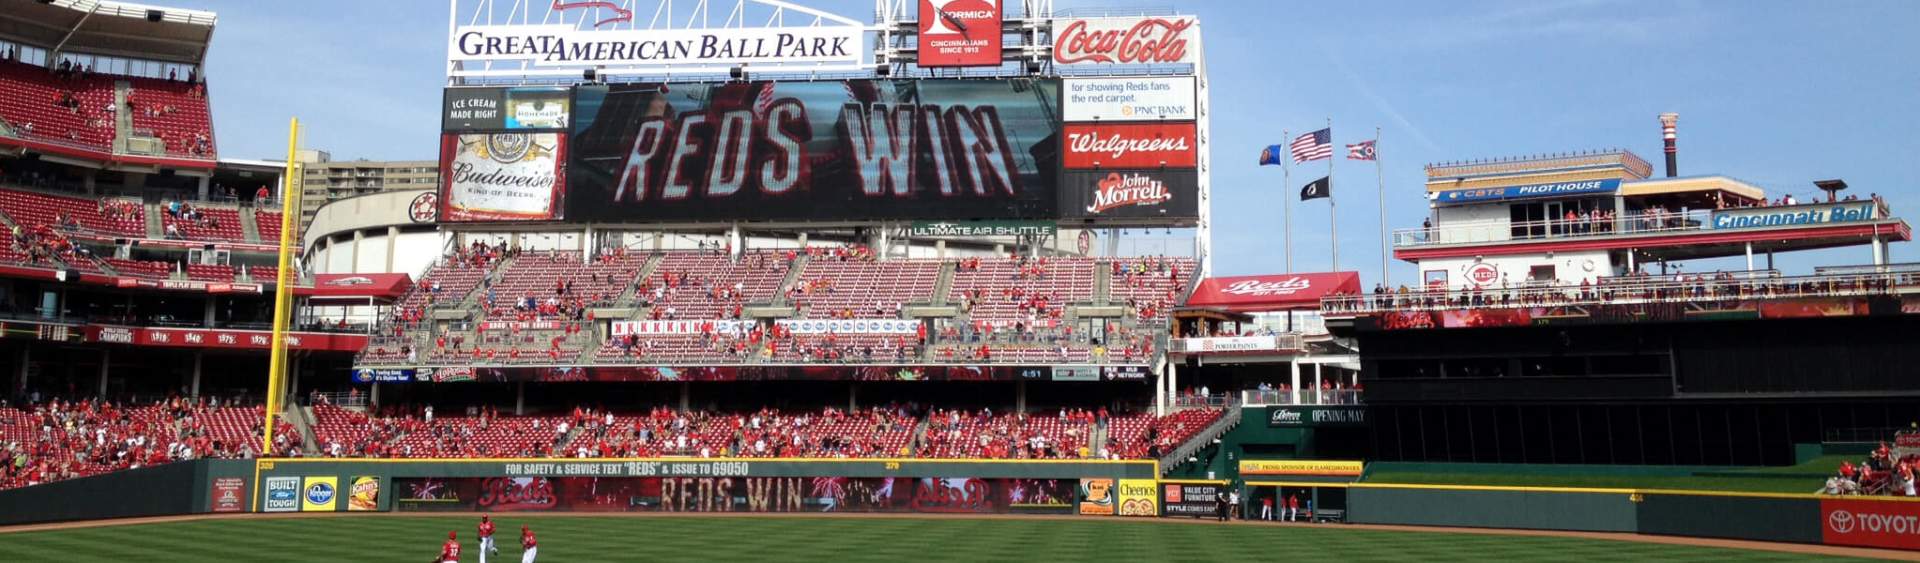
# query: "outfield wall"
{"type": "Point", "coordinates": [1596, 510]}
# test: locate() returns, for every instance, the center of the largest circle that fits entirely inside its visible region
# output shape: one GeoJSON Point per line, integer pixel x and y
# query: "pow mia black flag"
{"type": "Point", "coordinates": [1317, 189]}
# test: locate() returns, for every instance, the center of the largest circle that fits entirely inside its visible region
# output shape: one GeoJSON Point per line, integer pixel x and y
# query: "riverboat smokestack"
{"type": "Point", "coordinates": [1667, 123]}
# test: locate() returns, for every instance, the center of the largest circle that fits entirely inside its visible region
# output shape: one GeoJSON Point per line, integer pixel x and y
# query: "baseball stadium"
{"type": "Point", "coordinates": [756, 280]}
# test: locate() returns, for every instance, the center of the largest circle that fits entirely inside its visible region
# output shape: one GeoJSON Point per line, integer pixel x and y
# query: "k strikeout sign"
{"type": "Point", "coordinates": [1132, 145]}
{"type": "Point", "coordinates": [955, 33]}
{"type": "Point", "coordinates": [1151, 40]}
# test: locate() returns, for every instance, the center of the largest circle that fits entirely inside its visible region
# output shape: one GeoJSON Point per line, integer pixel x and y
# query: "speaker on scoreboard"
{"type": "Point", "coordinates": [155, 15]}
{"type": "Point", "coordinates": [587, 75]}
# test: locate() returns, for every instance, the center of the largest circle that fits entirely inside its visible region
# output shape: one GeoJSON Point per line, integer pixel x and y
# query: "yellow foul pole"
{"type": "Point", "coordinates": [283, 280]}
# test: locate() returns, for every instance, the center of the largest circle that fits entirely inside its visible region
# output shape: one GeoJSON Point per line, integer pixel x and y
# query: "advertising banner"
{"type": "Point", "coordinates": [826, 150]}
{"type": "Point", "coordinates": [981, 228]}
{"type": "Point", "coordinates": [609, 370]}
{"type": "Point", "coordinates": [1302, 417]}
{"type": "Point", "coordinates": [1870, 523]}
{"type": "Point", "coordinates": [1125, 40]}
{"type": "Point", "coordinates": [958, 33]}
{"type": "Point", "coordinates": [1124, 373]}
{"type": "Point", "coordinates": [473, 109]}
{"type": "Point", "coordinates": [282, 494]}
{"type": "Point", "coordinates": [561, 46]}
{"type": "Point", "coordinates": [1312, 467]}
{"type": "Point", "coordinates": [1584, 187]}
{"type": "Point", "coordinates": [650, 328]}
{"type": "Point", "coordinates": [1228, 344]}
{"type": "Point", "coordinates": [1138, 497]}
{"type": "Point", "coordinates": [229, 494]}
{"type": "Point", "coordinates": [1131, 145]}
{"type": "Point", "coordinates": [1817, 214]}
{"type": "Point", "coordinates": [220, 338]}
{"type": "Point", "coordinates": [319, 494]}
{"type": "Point", "coordinates": [365, 494]}
{"type": "Point", "coordinates": [850, 326]}
{"type": "Point", "coordinates": [1189, 499]}
{"type": "Point", "coordinates": [538, 108]}
{"type": "Point", "coordinates": [501, 176]}
{"type": "Point", "coordinates": [1076, 373]}
{"type": "Point", "coordinates": [1140, 98]}
{"type": "Point", "coordinates": [736, 494]}
{"type": "Point", "coordinates": [1097, 497]}
{"type": "Point", "coordinates": [1131, 194]}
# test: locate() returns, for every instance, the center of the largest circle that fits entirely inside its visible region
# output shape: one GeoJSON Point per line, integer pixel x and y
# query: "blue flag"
{"type": "Point", "coordinates": [1270, 155]}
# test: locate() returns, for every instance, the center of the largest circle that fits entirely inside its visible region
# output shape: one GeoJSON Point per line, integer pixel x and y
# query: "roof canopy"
{"type": "Point", "coordinates": [354, 288]}
{"type": "Point", "coordinates": [1272, 292]}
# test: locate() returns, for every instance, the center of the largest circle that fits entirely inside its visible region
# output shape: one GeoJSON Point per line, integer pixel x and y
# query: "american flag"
{"type": "Point", "coordinates": [1361, 151]}
{"type": "Point", "coordinates": [1313, 146]}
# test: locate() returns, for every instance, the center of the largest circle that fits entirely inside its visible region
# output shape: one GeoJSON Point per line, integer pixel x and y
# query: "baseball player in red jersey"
{"type": "Point", "coordinates": [486, 538]}
{"type": "Point", "coordinates": [450, 551]}
{"type": "Point", "coordinates": [527, 544]}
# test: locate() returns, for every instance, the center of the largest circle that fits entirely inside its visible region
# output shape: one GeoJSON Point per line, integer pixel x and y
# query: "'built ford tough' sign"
{"type": "Point", "coordinates": [1819, 214]}
{"type": "Point", "coordinates": [1530, 191]}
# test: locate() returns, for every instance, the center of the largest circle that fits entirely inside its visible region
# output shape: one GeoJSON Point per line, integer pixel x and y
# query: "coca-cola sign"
{"type": "Point", "coordinates": [1151, 40]}
{"type": "Point", "coordinates": [1131, 193]}
{"type": "Point", "coordinates": [1134, 145]}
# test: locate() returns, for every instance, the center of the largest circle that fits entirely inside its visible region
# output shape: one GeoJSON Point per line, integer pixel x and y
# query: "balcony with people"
{"type": "Point", "coordinates": [1639, 288]}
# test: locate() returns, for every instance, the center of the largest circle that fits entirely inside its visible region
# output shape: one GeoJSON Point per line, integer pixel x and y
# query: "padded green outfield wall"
{"type": "Point", "coordinates": [1595, 510]}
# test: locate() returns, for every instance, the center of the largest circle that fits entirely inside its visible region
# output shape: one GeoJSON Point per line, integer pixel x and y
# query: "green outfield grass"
{"type": "Point", "coordinates": [407, 539]}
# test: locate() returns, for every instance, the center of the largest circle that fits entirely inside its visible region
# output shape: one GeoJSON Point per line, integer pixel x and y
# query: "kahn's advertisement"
{"type": "Point", "coordinates": [1131, 145]}
{"type": "Point", "coordinates": [502, 176]}
{"type": "Point", "coordinates": [1131, 194]}
{"type": "Point", "coordinates": [826, 150]}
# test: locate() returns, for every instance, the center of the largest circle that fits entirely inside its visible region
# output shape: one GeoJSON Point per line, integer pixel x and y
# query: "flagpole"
{"type": "Point", "coordinates": [1378, 175]}
{"type": "Point", "coordinates": [1286, 199]}
{"type": "Point", "coordinates": [1333, 216]}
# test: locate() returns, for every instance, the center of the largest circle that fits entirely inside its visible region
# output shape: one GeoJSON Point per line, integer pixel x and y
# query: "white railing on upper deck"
{"type": "Point", "coordinates": [1641, 223]}
{"type": "Point", "coordinates": [1303, 396]}
{"type": "Point", "coordinates": [1290, 341]}
{"type": "Point", "coordinates": [1631, 290]}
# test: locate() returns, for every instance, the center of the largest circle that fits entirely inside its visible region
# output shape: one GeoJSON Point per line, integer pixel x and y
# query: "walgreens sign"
{"type": "Point", "coordinates": [1871, 523]}
{"type": "Point", "coordinates": [1142, 145]}
{"type": "Point", "coordinates": [1138, 41]}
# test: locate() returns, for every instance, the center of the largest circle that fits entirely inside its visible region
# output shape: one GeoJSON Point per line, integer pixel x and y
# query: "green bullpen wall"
{"type": "Point", "coordinates": [1596, 510]}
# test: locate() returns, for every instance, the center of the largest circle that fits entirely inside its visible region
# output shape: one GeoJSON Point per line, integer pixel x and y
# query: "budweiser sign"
{"type": "Point", "coordinates": [1259, 288]}
{"type": "Point", "coordinates": [1144, 145]}
{"type": "Point", "coordinates": [1128, 189]}
{"type": "Point", "coordinates": [1124, 40]}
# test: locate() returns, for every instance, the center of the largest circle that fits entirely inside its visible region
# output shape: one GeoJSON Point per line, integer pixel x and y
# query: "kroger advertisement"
{"type": "Point", "coordinates": [1816, 214]}
{"type": "Point", "coordinates": [825, 150]}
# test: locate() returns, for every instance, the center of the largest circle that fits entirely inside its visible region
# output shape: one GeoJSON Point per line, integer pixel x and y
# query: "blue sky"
{"type": "Point", "coordinates": [1772, 92]}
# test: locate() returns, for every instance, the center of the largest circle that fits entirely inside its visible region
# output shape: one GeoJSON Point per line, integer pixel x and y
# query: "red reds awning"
{"type": "Point", "coordinates": [378, 286]}
{"type": "Point", "coordinates": [1273, 292]}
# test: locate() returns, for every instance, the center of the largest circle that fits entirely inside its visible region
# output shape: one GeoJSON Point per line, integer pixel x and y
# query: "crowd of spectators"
{"type": "Point", "coordinates": [45, 441]}
{"type": "Point", "coordinates": [1636, 286]}
{"type": "Point", "coordinates": [1883, 473]}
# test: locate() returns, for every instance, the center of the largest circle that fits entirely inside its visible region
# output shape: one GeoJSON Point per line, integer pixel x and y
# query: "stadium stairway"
{"type": "Point", "coordinates": [122, 119]}
{"type": "Point", "coordinates": [302, 420]}
{"type": "Point", "coordinates": [1200, 441]}
{"type": "Point", "coordinates": [919, 438]}
{"type": "Point", "coordinates": [625, 301]}
{"type": "Point", "coordinates": [155, 229]}
{"type": "Point", "coordinates": [1102, 283]}
{"type": "Point", "coordinates": [943, 284]}
{"type": "Point", "coordinates": [497, 271]}
{"type": "Point", "coordinates": [250, 225]}
{"type": "Point", "coordinates": [793, 277]}
{"type": "Point", "coordinates": [1097, 440]}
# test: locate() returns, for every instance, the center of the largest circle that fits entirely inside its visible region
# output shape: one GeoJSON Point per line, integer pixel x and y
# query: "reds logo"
{"type": "Point", "coordinates": [425, 208]}
{"type": "Point", "coordinates": [1148, 41]}
{"type": "Point", "coordinates": [1483, 273]}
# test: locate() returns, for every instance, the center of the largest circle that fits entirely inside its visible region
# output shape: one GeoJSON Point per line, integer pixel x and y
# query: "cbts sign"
{"type": "Point", "coordinates": [1131, 145]}
{"type": "Point", "coordinates": [1128, 99]}
{"type": "Point", "coordinates": [1530, 191]}
{"type": "Point", "coordinates": [1126, 41]}
{"type": "Point", "coordinates": [959, 33]}
{"type": "Point", "coordinates": [1870, 523]}
{"type": "Point", "coordinates": [563, 46]}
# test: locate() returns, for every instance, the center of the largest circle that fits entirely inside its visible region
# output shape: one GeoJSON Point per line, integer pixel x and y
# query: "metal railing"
{"type": "Point", "coordinates": [1290, 341]}
{"type": "Point", "coordinates": [1630, 291]}
{"type": "Point", "coordinates": [1275, 397]}
{"type": "Point", "coordinates": [1643, 222]}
